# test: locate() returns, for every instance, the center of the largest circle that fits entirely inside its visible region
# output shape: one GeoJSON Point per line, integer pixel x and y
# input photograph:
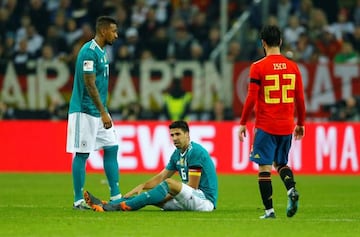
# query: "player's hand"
{"type": "Point", "coordinates": [137, 190]}
{"type": "Point", "coordinates": [107, 121]}
{"type": "Point", "coordinates": [242, 132]}
{"type": "Point", "coordinates": [299, 132]}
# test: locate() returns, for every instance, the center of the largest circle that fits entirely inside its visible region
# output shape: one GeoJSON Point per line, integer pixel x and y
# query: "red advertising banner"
{"type": "Point", "coordinates": [39, 146]}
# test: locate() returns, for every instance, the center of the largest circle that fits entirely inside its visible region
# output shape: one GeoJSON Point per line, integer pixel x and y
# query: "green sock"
{"type": "Point", "coordinates": [78, 174]}
{"type": "Point", "coordinates": [111, 169]}
{"type": "Point", "coordinates": [151, 197]}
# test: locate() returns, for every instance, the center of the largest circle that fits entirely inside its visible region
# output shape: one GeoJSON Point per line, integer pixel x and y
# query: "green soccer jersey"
{"type": "Point", "coordinates": [196, 157]}
{"type": "Point", "coordinates": [90, 60]}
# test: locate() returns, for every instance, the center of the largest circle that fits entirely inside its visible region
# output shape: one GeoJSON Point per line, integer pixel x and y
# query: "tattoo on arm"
{"type": "Point", "coordinates": [93, 91]}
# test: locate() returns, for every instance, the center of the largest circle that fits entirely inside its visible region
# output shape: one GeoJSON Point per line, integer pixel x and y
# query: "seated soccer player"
{"type": "Point", "coordinates": [197, 191]}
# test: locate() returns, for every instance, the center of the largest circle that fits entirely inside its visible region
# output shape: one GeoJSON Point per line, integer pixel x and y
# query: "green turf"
{"type": "Point", "coordinates": [41, 205]}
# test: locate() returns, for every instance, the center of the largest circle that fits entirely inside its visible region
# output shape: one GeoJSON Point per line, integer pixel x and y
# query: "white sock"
{"type": "Point", "coordinates": [113, 198]}
{"type": "Point", "coordinates": [78, 202]}
{"type": "Point", "coordinates": [268, 211]}
{"type": "Point", "coordinates": [289, 191]}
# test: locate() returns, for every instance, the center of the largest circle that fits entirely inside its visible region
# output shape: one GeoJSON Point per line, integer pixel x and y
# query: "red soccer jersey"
{"type": "Point", "coordinates": [275, 89]}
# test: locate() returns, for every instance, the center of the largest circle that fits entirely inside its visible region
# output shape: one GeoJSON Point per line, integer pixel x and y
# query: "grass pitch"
{"type": "Point", "coordinates": [41, 205]}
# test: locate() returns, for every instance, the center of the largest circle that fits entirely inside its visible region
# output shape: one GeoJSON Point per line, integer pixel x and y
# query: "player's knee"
{"type": "Point", "coordinates": [280, 167]}
{"type": "Point", "coordinates": [174, 186]}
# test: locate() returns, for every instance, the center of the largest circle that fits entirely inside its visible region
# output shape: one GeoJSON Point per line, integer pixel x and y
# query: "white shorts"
{"type": "Point", "coordinates": [189, 199]}
{"type": "Point", "coordinates": [86, 133]}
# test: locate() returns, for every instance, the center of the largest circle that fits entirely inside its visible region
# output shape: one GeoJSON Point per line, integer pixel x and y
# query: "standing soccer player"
{"type": "Point", "coordinates": [275, 89]}
{"type": "Point", "coordinates": [197, 190]}
{"type": "Point", "coordinates": [90, 126]}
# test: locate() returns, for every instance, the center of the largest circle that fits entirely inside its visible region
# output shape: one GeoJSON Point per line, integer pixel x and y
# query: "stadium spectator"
{"type": "Point", "coordinates": [72, 32]}
{"type": "Point", "coordinates": [199, 27]}
{"type": "Point", "coordinates": [148, 28]}
{"type": "Point", "coordinates": [347, 54]}
{"type": "Point", "coordinates": [211, 42]}
{"type": "Point", "coordinates": [317, 23]}
{"type": "Point", "coordinates": [138, 13]}
{"type": "Point", "coordinates": [8, 47]}
{"type": "Point", "coordinates": [180, 45]}
{"type": "Point", "coordinates": [22, 57]}
{"type": "Point", "coordinates": [163, 11]}
{"type": "Point", "coordinates": [304, 12]}
{"type": "Point", "coordinates": [177, 102]}
{"type": "Point", "coordinates": [343, 27]}
{"type": "Point", "coordinates": [39, 16]}
{"type": "Point", "coordinates": [185, 11]}
{"type": "Point", "coordinates": [197, 189]}
{"type": "Point", "coordinates": [159, 43]}
{"type": "Point", "coordinates": [133, 44]}
{"type": "Point", "coordinates": [292, 31]}
{"type": "Point", "coordinates": [304, 49]}
{"type": "Point", "coordinates": [282, 9]}
{"type": "Point", "coordinates": [56, 40]}
{"type": "Point", "coordinates": [327, 45]}
{"type": "Point", "coordinates": [234, 51]}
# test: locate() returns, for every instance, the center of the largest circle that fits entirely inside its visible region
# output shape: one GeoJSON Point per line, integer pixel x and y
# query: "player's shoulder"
{"type": "Point", "coordinates": [89, 47]}
{"type": "Point", "coordinates": [197, 148]}
{"type": "Point", "coordinates": [259, 61]}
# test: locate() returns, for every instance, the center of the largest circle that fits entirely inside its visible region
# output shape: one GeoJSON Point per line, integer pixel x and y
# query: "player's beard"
{"type": "Point", "coordinates": [108, 42]}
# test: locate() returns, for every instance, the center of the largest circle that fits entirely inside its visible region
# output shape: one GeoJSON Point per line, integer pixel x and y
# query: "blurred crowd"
{"type": "Point", "coordinates": [170, 30]}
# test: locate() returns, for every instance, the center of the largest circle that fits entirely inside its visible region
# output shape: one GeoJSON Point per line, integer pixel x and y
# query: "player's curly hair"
{"type": "Point", "coordinates": [271, 35]}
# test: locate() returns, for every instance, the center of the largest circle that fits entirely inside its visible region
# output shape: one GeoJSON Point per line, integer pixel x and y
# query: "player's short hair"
{"type": "Point", "coordinates": [271, 35]}
{"type": "Point", "coordinates": [104, 22]}
{"type": "Point", "coordinates": [180, 124]}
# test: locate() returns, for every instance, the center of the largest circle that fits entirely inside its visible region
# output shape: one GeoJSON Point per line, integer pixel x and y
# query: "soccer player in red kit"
{"type": "Point", "coordinates": [275, 89]}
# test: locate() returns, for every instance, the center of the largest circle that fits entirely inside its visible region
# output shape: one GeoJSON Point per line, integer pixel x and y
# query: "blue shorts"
{"type": "Point", "coordinates": [268, 149]}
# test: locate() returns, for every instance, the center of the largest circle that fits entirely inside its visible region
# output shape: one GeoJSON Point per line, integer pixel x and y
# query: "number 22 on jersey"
{"type": "Point", "coordinates": [275, 86]}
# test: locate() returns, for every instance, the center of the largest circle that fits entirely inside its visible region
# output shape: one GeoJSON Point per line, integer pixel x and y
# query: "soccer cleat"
{"type": "Point", "coordinates": [97, 208]}
{"type": "Point", "coordinates": [125, 207]}
{"type": "Point", "coordinates": [292, 206]}
{"type": "Point", "coordinates": [92, 200]}
{"type": "Point", "coordinates": [271, 215]}
{"type": "Point", "coordinates": [111, 207]}
{"type": "Point", "coordinates": [82, 206]}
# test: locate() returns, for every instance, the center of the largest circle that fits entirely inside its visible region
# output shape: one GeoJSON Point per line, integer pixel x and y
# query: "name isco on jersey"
{"type": "Point", "coordinates": [279, 66]}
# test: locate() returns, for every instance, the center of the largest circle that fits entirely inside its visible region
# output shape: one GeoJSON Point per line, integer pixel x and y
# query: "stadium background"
{"type": "Point", "coordinates": [162, 41]}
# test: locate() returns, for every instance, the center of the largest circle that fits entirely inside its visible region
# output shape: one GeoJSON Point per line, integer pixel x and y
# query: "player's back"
{"type": "Point", "coordinates": [280, 83]}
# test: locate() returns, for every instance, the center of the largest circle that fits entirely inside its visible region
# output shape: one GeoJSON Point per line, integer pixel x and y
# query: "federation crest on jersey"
{"type": "Point", "coordinates": [88, 65]}
{"type": "Point", "coordinates": [182, 161]}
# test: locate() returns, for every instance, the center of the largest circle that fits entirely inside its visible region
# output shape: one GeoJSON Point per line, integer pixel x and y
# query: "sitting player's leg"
{"type": "Point", "coordinates": [189, 199]}
{"type": "Point", "coordinates": [151, 197]}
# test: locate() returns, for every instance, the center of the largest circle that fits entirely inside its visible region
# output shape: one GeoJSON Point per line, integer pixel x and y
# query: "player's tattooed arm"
{"type": "Point", "coordinates": [94, 94]}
